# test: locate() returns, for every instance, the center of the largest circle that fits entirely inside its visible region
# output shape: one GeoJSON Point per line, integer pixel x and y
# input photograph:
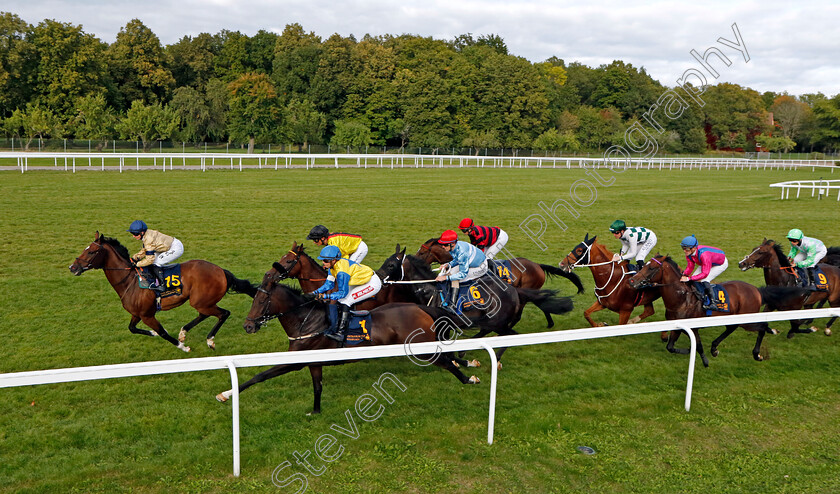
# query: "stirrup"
{"type": "Point", "coordinates": [339, 337]}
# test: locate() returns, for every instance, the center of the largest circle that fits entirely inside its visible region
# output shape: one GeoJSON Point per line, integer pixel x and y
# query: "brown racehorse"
{"type": "Point", "coordinates": [681, 302]}
{"type": "Point", "coordinates": [305, 320]}
{"type": "Point", "coordinates": [297, 264]}
{"type": "Point", "coordinates": [202, 283]}
{"type": "Point", "coordinates": [611, 288]}
{"type": "Point", "coordinates": [523, 272]}
{"type": "Point", "coordinates": [779, 272]}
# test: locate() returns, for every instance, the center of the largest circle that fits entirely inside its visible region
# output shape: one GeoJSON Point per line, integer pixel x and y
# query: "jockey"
{"type": "Point", "coordinates": [490, 239]}
{"type": "Point", "coordinates": [354, 282]}
{"type": "Point", "coordinates": [468, 262]}
{"type": "Point", "coordinates": [710, 262]}
{"type": "Point", "coordinates": [351, 246]}
{"type": "Point", "coordinates": [805, 253]}
{"type": "Point", "coordinates": [636, 242]}
{"type": "Point", "coordinates": [158, 250]}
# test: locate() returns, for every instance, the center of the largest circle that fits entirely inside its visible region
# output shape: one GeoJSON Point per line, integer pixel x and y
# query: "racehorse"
{"type": "Point", "coordinates": [501, 304]}
{"type": "Point", "coordinates": [297, 264]}
{"type": "Point", "coordinates": [202, 283]}
{"type": "Point", "coordinates": [305, 320]}
{"type": "Point", "coordinates": [681, 302]}
{"type": "Point", "coordinates": [611, 287]}
{"type": "Point", "coordinates": [779, 272]}
{"type": "Point", "coordinates": [523, 272]}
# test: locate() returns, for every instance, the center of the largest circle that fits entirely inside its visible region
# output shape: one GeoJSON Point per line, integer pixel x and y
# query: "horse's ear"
{"type": "Point", "coordinates": [403, 251]}
{"type": "Point", "coordinates": [277, 266]}
{"type": "Point", "coordinates": [294, 245]}
{"type": "Point", "coordinates": [397, 251]}
{"type": "Point", "coordinates": [96, 236]}
{"type": "Point", "coordinates": [586, 238]}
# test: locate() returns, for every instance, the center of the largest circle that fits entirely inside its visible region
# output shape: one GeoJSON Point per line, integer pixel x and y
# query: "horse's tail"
{"type": "Point", "coordinates": [832, 256]}
{"type": "Point", "coordinates": [555, 271]}
{"type": "Point", "coordinates": [781, 297]}
{"type": "Point", "coordinates": [240, 286]}
{"type": "Point", "coordinates": [546, 300]}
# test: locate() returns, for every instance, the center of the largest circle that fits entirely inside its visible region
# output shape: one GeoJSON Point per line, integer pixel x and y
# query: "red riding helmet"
{"type": "Point", "coordinates": [448, 237]}
{"type": "Point", "coordinates": [466, 223]}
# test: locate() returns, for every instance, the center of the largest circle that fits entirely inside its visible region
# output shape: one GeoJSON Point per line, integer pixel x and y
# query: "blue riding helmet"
{"type": "Point", "coordinates": [329, 253]}
{"type": "Point", "coordinates": [689, 242]}
{"type": "Point", "coordinates": [137, 227]}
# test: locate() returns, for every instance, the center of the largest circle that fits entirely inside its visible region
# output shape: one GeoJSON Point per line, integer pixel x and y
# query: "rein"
{"type": "Point", "coordinates": [264, 318]}
{"type": "Point", "coordinates": [612, 271]}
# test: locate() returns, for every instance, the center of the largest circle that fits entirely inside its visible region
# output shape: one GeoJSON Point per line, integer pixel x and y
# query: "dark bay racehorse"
{"type": "Point", "coordinates": [611, 287]}
{"type": "Point", "coordinates": [305, 320]}
{"type": "Point", "coordinates": [681, 302]}
{"type": "Point", "coordinates": [297, 264]}
{"type": "Point", "coordinates": [502, 306]}
{"type": "Point", "coordinates": [524, 273]}
{"type": "Point", "coordinates": [779, 272]}
{"type": "Point", "coordinates": [202, 283]}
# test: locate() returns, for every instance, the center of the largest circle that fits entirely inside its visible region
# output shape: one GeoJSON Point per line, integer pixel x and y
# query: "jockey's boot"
{"type": "Point", "coordinates": [709, 299]}
{"type": "Point", "coordinates": [343, 322]}
{"type": "Point", "coordinates": [332, 316]}
{"type": "Point", "coordinates": [804, 277]}
{"type": "Point", "coordinates": [157, 272]}
{"type": "Point", "coordinates": [640, 263]}
{"type": "Point", "coordinates": [811, 283]}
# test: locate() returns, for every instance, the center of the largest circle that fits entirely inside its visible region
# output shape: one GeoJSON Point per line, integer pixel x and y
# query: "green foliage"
{"type": "Point", "coordinates": [553, 140]}
{"type": "Point", "coordinates": [351, 133]}
{"type": "Point", "coordinates": [304, 124]}
{"type": "Point", "coordinates": [34, 121]}
{"type": "Point", "coordinates": [137, 64]}
{"type": "Point", "coordinates": [254, 109]}
{"type": "Point", "coordinates": [775, 143]}
{"type": "Point", "coordinates": [94, 120]}
{"type": "Point", "coordinates": [147, 123]}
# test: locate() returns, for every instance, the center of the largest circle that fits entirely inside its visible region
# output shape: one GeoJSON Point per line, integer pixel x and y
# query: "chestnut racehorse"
{"type": "Point", "coordinates": [202, 283]}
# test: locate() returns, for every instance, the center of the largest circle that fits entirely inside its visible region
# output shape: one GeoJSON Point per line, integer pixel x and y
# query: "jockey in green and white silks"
{"type": "Point", "coordinates": [636, 242]}
{"type": "Point", "coordinates": [805, 253]}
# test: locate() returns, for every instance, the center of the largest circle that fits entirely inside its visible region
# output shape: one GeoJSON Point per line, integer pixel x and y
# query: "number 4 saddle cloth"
{"type": "Point", "coordinates": [721, 299]}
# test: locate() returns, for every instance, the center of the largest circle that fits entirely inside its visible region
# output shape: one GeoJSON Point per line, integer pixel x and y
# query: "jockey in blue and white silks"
{"type": "Point", "coordinates": [468, 262]}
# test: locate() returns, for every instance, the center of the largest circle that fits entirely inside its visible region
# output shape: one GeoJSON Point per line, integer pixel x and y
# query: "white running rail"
{"type": "Point", "coordinates": [233, 362]}
{"type": "Point", "coordinates": [819, 187]}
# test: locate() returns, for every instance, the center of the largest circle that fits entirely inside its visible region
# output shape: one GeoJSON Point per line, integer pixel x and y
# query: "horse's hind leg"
{"type": "Point", "coordinates": [182, 336]}
{"type": "Point", "coordinates": [726, 332]}
{"type": "Point", "coordinates": [277, 370]}
{"type": "Point", "coordinates": [223, 314]}
{"type": "Point", "coordinates": [317, 373]}
{"type": "Point", "coordinates": [158, 328]}
{"type": "Point", "coordinates": [757, 348]}
{"type": "Point", "coordinates": [549, 320]}
{"type": "Point", "coordinates": [445, 360]}
{"type": "Point", "coordinates": [672, 338]}
{"type": "Point", "coordinates": [132, 326]}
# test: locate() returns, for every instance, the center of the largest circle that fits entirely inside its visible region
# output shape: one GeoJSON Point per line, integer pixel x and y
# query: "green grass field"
{"type": "Point", "coordinates": [754, 426]}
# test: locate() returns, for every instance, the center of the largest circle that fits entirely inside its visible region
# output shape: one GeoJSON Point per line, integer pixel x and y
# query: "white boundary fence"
{"type": "Point", "coordinates": [233, 362]}
{"type": "Point", "coordinates": [819, 187]}
{"type": "Point", "coordinates": [203, 161]}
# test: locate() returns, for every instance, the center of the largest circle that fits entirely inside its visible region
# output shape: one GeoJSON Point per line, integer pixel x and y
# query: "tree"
{"type": "Point", "coordinates": [296, 56]}
{"type": "Point", "coordinates": [70, 65]}
{"type": "Point", "coordinates": [790, 115]}
{"type": "Point", "coordinates": [94, 120]}
{"type": "Point", "coordinates": [148, 123]}
{"type": "Point", "coordinates": [734, 114]}
{"type": "Point", "coordinates": [351, 133]}
{"type": "Point", "coordinates": [193, 112]}
{"type": "Point", "coordinates": [554, 140]}
{"type": "Point", "coordinates": [597, 127]}
{"type": "Point", "coordinates": [827, 120]}
{"type": "Point", "coordinates": [137, 63]}
{"type": "Point", "coordinates": [34, 121]}
{"type": "Point", "coordinates": [217, 97]}
{"type": "Point", "coordinates": [775, 144]}
{"type": "Point", "coordinates": [254, 109]}
{"type": "Point", "coordinates": [486, 139]}
{"type": "Point", "coordinates": [304, 124]}
{"type": "Point", "coordinates": [18, 63]}
{"type": "Point", "coordinates": [191, 60]}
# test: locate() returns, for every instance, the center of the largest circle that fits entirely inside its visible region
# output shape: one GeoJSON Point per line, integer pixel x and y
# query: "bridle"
{"type": "Point", "coordinates": [89, 262]}
{"type": "Point", "coordinates": [586, 256]}
{"type": "Point", "coordinates": [264, 317]}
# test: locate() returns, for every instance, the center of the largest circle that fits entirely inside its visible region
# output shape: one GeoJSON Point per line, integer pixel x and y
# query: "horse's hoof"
{"type": "Point", "coordinates": [182, 336]}
{"type": "Point", "coordinates": [827, 332]}
{"type": "Point", "coordinates": [759, 358]}
{"type": "Point", "coordinates": [474, 380]}
{"type": "Point", "coordinates": [499, 366]}
{"type": "Point", "coordinates": [634, 320]}
{"type": "Point", "coordinates": [602, 325]}
{"type": "Point", "coordinates": [153, 333]}
{"type": "Point", "coordinates": [456, 364]}
{"type": "Point", "coordinates": [773, 331]}
{"type": "Point", "coordinates": [790, 334]}
{"type": "Point", "coordinates": [211, 343]}
{"type": "Point", "coordinates": [221, 397]}
{"type": "Point", "coordinates": [813, 329]}
{"type": "Point", "coordinates": [474, 363]}
{"type": "Point", "coordinates": [184, 347]}
{"type": "Point", "coordinates": [715, 353]}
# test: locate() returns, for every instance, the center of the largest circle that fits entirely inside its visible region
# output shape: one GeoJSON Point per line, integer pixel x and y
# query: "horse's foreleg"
{"type": "Point", "coordinates": [445, 360]}
{"type": "Point", "coordinates": [593, 308]}
{"type": "Point", "coordinates": [277, 370]}
{"type": "Point", "coordinates": [317, 372]}
{"type": "Point", "coordinates": [132, 326]}
{"type": "Point", "coordinates": [757, 348]}
{"type": "Point", "coordinates": [726, 332]}
{"type": "Point", "coordinates": [549, 320]}
{"type": "Point", "coordinates": [674, 336]}
{"type": "Point", "coordinates": [158, 328]}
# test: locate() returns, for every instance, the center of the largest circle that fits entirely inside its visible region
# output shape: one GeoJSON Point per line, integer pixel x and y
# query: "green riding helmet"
{"type": "Point", "coordinates": [617, 226]}
{"type": "Point", "coordinates": [795, 234]}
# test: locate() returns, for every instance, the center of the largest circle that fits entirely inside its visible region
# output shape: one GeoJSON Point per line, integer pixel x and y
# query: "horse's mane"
{"type": "Point", "coordinates": [295, 290]}
{"type": "Point", "coordinates": [119, 248]}
{"type": "Point", "coordinates": [432, 241]}
{"type": "Point", "coordinates": [833, 251]}
{"type": "Point", "coordinates": [603, 248]}
{"type": "Point", "coordinates": [420, 266]}
{"type": "Point", "coordinates": [672, 263]}
{"type": "Point", "coordinates": [314, 262]}
{"type": "Point", "coordinates": [783, 260]}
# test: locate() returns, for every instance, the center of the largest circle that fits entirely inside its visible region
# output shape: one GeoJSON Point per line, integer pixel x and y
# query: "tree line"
{"type": "Point", "coordinates": [57, 81]}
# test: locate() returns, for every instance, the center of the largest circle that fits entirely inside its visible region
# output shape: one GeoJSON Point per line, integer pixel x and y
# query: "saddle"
{"type": "Point", "coordinates": [719, 302]}
{"type": "Point", "coordinates": [171, 279]}
{"type": "Point", "coordinates": [501, 269]}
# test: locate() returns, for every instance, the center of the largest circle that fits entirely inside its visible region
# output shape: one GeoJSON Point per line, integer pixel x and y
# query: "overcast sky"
{"type": "Point", "coordinates": [793, 47]}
